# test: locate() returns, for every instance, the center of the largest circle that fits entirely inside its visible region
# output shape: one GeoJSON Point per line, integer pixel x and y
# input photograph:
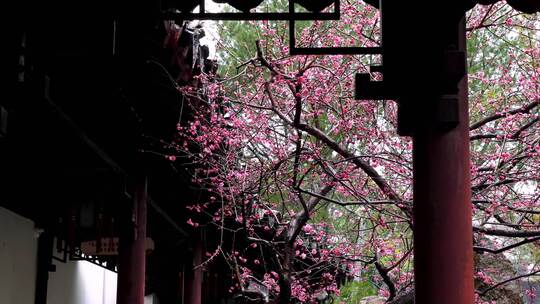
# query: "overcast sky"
{"type": "Point", "coordinates": [210, 28]}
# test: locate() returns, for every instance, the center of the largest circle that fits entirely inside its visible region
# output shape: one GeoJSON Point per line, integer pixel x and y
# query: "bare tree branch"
{"type": "Point", "coordinates": [483, 292]}
{"type": "Point", "coordinates": [496, 251]}
{"type": "Point", "coordinates": [507, 233]}
{"type": "Point", "coordinates": [525, 109]}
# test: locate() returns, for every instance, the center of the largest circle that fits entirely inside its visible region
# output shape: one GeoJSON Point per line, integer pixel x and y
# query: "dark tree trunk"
{"type": "Point", "coordinates": [285, 277]}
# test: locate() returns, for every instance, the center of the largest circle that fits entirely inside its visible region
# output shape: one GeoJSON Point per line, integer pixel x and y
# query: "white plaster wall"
{"type": "Point", "coordinates": [81, 282]}
{"type": "Point", "coordinates": [75, 282]}
{"type": "Point", "coordinates": [150, 299]}
{"type": "Point", "coordinates": [18, 257]}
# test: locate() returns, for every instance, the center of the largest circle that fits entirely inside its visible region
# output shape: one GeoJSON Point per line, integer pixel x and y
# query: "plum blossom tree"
{"type": "Point", "coordinates": [310, 189]}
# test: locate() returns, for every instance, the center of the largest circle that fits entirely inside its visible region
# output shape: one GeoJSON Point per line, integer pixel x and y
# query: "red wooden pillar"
{"type": "Point", "coordinates": [132, 255]}
{"type": "Point", "coordinates": [193, 290]}
{"type": "Point", "coordinates": [443, 254]}
{"type": "Point", "coordinates": [44, 258]}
